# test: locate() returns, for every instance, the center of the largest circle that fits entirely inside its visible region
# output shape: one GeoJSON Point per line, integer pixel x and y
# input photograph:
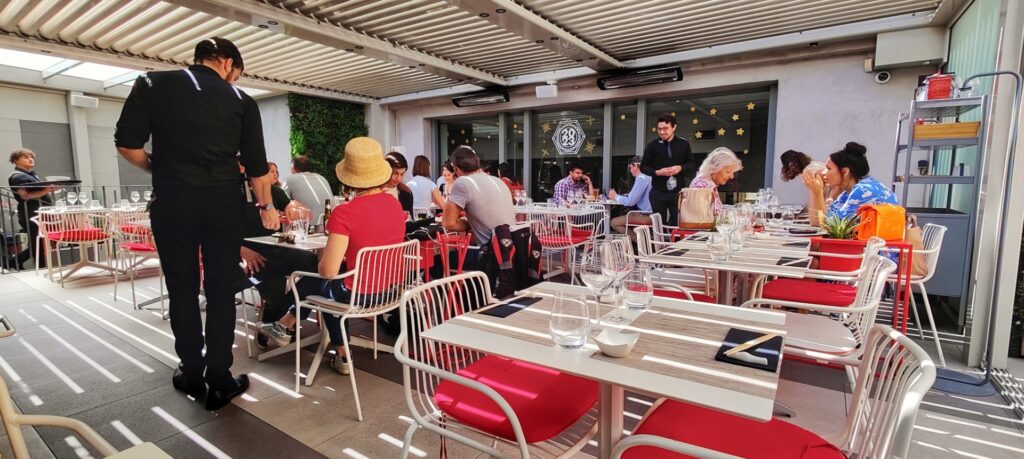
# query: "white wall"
{"type": "Point", "coordinates": [101, 122]}
{"type": "Point", "coordinates": [27, 104]}
{"type": "Point", "coordinates": [823, 102]}
{"type": "Point", "coordinates": [276, 128]}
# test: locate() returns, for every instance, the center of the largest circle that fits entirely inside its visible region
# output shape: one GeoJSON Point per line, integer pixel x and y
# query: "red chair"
{"type": "Point", "coordinates": [839, 264]}
{"type": "Point", "coordinates": [893, 377]}
{"type": "Point", "coordinates": [457, 392]}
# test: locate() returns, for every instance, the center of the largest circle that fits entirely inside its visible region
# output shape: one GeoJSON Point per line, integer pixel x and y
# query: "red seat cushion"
{"type": "Point", "coordinates": [561, 241]}
{"type": "Point", "coordinates": [810, 291]}
{"type": "Point", "coordinates": [682, 296]}
{"type": "Point", "coordinates": [77, 235]}
{"type": "Point", "coordinates": [728, 434]}
{"type": "Point", "coordinates": [138, 247]}
{"type": "Point", "coordinates": [134, 229]}
{"type": "Point", "coordinates": [546, 401]}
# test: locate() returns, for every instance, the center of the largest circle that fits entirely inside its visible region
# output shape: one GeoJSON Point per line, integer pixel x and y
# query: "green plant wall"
{"type": "Point", "coordinates": [320, 130]}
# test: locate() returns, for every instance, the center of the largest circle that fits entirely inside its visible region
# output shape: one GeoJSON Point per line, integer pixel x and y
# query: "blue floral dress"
{"type": "Point", "coordinates": [867, 191]}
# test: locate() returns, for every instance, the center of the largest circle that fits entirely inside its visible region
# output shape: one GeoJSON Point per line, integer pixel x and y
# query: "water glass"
{"type": "Point", "coordinates": [61, 206]}
{"type": "Point", "coordinates": [787, 217]}
{"type": "Point", "coordinates": [638, 288]}
{"type": "Point", "coordinates": [718, 245]}
{"type": "Point", "coordinates": [147, 195]}
{"type": "Point", "coordinates": [298, 222]}
{"type": "Point", "coordinates": [570, 320]}
{"type": "Point", "coordinates": [726, 221]}
{"type": "Point", "coordinates": [736, 239]}
{"type": "Point", "coordinates": [135, 196]}
{"type": "Point", "coordinates": [72, 197]}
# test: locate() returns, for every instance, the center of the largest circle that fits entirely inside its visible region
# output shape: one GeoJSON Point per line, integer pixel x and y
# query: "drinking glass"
{"type": "Point", "coordinates": [570, 320]}
{"type": "Point", "coordinates": [124, 204]}
{"type": "Point", "coordinates": [718, 245]}
{"type": "Point", "coordinates": [298, 222]}
{"type": "Point", "coordinates": [147, 195]}
{"type": "Point", "coordinates": [736, 239]}
{"type": "Point", "coordinates": [72, 197]}
{"type": "Point", "coordinates": [787, 217]}
{"type": "Point", "coordinates": [84, 197]}
{"type": "Point", "coordinates": [61, 206]}
{"type": "Point", "coordinates": [726, 221]}
{"type": "Point", "coordinates": [775, 216]}
{"type": "Point", "coordinates": [639, 289]}
{"type": "Point", "coordinates": [593, 276]}
{"type": "Point", "coordinates": [617, 264]}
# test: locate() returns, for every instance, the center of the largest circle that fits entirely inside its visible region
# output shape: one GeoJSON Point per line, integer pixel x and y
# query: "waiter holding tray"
{"type": "Point", "coordinates": [29, 197]}
{"type": "Point", "coordinates": [202, 128]}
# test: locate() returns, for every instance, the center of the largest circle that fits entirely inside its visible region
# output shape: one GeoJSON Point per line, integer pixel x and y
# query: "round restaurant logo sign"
{"type": "Point", "coordinates": [568, 137]}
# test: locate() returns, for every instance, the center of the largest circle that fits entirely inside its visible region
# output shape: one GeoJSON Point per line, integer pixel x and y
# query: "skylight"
{"type": "Point", "coordinates": [27, 60]}
{"type": "Point", "coordinates": [95, 71]}
{"type": "Point", "coordinates": [253, 92]}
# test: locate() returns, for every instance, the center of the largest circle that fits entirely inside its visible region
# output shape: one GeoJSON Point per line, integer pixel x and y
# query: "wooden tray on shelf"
{"type": "Point", "coordinates": [947, 130]}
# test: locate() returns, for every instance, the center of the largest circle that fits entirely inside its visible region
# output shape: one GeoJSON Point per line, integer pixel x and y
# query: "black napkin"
{"type": "Point", "coordinates": [771, 349]}
{"type": "Point", "coordinates": [511, 307]}
{"type": "Point", "coordinates": [674, 252]}
{"type": "Point", "coordinates": [800, 244]}
{"type": "Point", "coordinates": [697, 237]}
{"type": "Point", "coordinates": [803, 230]}
{"type": "Point", "coordinates": [787, 261]}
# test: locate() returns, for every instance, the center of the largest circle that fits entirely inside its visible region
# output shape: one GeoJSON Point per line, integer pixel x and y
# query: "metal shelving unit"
{"type": "Point", "coordinates": [957, 249]}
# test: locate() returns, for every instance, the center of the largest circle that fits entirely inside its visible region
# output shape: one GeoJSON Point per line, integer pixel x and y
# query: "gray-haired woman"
{"type": "Point", "coordinates": [717, 169]}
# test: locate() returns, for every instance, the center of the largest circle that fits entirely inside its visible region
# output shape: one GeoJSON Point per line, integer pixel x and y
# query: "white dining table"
{"type": "Point", "coordinates": [674, 356]}
{"type": "Point", "coordinates": [771, 256]}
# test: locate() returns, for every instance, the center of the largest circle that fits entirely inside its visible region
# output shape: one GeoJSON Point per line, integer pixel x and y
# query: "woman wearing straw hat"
{"type": "Point", "coordinates": [372, 218]}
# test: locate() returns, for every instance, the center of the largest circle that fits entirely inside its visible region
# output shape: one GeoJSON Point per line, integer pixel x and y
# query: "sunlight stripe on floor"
{"type": "Point", "coordinates": [135, 319]}
{"type": "Point", "coordinates": [198, 439]}
{"type": "Point", "coordinates": [275, 385]}
{"type": "Point", "coordinates": [106, 322]}
{"type": "Point", "coordinates": [53, 368]}
{"type": "Point", "coordinates": [126, 432]}
{"type": "Point", "coordinates": [16, 378]}
{"type": "Point", "coordinates": [102, 341]}
{"type": "Point", "coordinates": [396, 442]}
{"type": "Point", "coordinates": [103, 371]}
{"type": "Point", "coordinates": [80, 450]}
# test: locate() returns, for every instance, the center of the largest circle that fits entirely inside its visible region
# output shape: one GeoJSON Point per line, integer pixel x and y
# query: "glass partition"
{"type": "Point", "coordinates": [479, 133]}
{"type": "Point", "coordinates": [566, 137]}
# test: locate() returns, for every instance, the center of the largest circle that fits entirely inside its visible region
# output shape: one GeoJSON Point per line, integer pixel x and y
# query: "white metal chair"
{"type": "Point", "coordinates": [456, 392]}
{"type": "Point", "coordinates": [379, 277]}
{"type": "Point", "coordinates": [933, 235]}
{"type": "Point", "coordinates": [73, 229]}
{"type": "Point", "coordinates": [830, 332]}
{"type": "Point", "coordinates": [560, 233]}
{"type": "Point", "coordinates": [894, 375]}
{"type": "Point", "coordinates": [661, 232]}
{"type": "Point", "coordinates": [135, 246]}
{"type": "Point", "coordinates": [681, 283]}
{"type": "Point", "coordinates": [13, 422]}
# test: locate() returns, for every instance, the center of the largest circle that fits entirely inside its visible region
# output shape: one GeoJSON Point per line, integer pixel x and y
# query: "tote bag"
{"type": "Point", "coordinates": [697, 208]}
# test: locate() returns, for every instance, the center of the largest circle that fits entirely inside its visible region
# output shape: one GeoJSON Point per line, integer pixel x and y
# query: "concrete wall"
{"type": "Point", "coordinates": [277, 126]}
{"type": "Point", "coordinates": [824, 100]}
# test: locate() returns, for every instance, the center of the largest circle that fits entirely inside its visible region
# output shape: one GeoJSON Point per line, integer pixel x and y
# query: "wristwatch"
{"type": "Point", "coordinates": [267, 206]}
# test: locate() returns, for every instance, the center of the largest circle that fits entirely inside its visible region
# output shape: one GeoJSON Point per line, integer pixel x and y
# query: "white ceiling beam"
{"type": "Point", "coordinates": [32, 45]}
{"type": "Point", "coordinates": [518, 19]}
{"type": "Point", "coordinates": [121, 79]}
{"type": "Point", "coordinates": [59, 68]}
{"type": "Point", "coordinates": [460, 89]}
{"type": "Point", "coordinates": [306, 28]}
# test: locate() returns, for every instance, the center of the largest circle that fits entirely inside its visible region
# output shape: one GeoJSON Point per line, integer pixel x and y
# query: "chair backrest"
{"type": "Point", "coordinates": [423, 308]}
{"type": "Point", "coordinates": [382, 274]}
{"type": "Point", "coordinates": [644, 244]}
{"type": "Point", "coordinates": [932, 235]}
{"type": "Point", "coordinates": [870, 286]}
{"type": "Point", "coordinates": [126, 229]}
{"type": "Point", "coordinates": [893, 377]}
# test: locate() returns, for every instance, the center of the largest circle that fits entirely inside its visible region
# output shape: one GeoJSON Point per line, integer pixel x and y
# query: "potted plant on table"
{"type": "Point", "coordinates": [839, 238]}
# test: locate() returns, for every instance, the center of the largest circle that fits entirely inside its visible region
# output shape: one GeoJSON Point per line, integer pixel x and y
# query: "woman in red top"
{"type": "Point", "coordinates": [373, 218]}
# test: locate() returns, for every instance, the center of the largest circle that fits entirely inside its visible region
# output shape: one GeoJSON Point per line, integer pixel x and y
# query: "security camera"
{"type": "Point", "coordinates": [882, 77]}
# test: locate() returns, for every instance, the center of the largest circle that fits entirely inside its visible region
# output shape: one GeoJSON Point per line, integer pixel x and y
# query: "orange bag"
{"type": "Point", "coordinates": [887, 221]}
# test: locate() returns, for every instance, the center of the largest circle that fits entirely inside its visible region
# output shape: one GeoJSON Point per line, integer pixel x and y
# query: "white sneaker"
{"type": "Point", "coordinates": [341, 364]}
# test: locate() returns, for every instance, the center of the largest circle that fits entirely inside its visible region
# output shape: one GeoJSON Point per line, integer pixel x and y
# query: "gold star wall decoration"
{"type": "Point", "coordinates": [546, 127]}
{"type": "Point", "coordinates": [750, 105]}
{"type": "Point", "coordinates": [698, 135]}
{"type": "Point", "coordinates": [622, 117]}
{"type": "Point", "coordinates": [654, 130]}
{"type": "Point", "coordinates": [740, 131]}
{"type": "Point", "coordinates": [735, 117]}
{"type": "Point", "coordinates": [545, 152]}
{"type": "Point", "coordinates": [673, 114]}
{"type": "Point", "coordinates": [713, 111]}
{"type": "Point", "coordinates": [465, 141]}
{"type": "Point", "coordinates": [721, 131]}
{"type": "Point", "coordinates": [590, 120]}
{"type": "Point", "coordinates": [463, 131]}
{"type": "Point", "coordinates": [693, 109]}
{"type": "Point", "coordinates": [589, 147]}
{"type": "Point", "coordinates": [696, 121]}
{"type": "Point", "coordinates": [453, 141]}
{"type": "Point", "coordinates": [746, 151]}
{"type": "Point", "coordinates": [515, 126]}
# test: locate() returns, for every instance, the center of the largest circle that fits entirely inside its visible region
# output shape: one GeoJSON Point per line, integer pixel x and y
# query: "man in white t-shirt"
{"type": "Point", "coordinates": [308, 188]}
{"type": "Point", "coordinates": [485, 198]}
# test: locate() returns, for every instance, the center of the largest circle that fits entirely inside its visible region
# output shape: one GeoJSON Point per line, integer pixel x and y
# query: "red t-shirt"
{"type": "Point", "coordinates": [368, 221]}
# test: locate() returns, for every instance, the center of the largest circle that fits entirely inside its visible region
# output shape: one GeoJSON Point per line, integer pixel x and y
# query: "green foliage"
{"type": "Point", "coordinates": [837, 227]}
{"type": "Point", "coordinates": [320, 130]}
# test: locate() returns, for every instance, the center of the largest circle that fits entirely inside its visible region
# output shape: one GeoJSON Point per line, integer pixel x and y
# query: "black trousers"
{"type": "Point", "coordinates": [186, 220]}
{"type": "Point", "coordinates": [662, 201]}
{"type": "Point", "coordinates": [33, 231]}
{"type": "Point", "coordinates": [281, 262]}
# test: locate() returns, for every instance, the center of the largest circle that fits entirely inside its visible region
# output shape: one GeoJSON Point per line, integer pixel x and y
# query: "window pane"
{"type": "Point", "coordinates": [737, 120]}
{"type": "Point", "coordinates": [480, 133]}
{"type": "Point", "coordinates": [623, 145]}
{"type": "Point", "coordinates": [548, 165]}
{"type": "Point", "coordinates": [514, 145]}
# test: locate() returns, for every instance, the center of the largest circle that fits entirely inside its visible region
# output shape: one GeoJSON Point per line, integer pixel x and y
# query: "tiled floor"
{"type": "Point", "coordinates": [82, 353]}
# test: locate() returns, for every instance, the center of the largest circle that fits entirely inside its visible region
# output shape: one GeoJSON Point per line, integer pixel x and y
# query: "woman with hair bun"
{"type": "Point", "coordinates": [846, 173]}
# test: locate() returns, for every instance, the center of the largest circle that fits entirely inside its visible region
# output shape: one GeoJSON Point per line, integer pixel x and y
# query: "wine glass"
{"type": "Point", "coordinates": [147, 195]}
{"type": "Point", "coordinates": [775, 216]}
{"type": "Point", "coordinates": [617, 264]}
{"type": "Point", "coordinates": [570, 320]}
{"type": "Point", "coordinates": [72, 197]}
{"type": "Point", "coordinates": [84, 198]}
{"type": "Point", "coordinates": [787, 217]}
{"type": "Point", "coordinates": [726, 221]}
{"type": "Point", "coordinates": [639, 288]}
{"type": "Point", "coordinates": [135, 197]}
{"type": "Point", "coordinates": [594, 277]}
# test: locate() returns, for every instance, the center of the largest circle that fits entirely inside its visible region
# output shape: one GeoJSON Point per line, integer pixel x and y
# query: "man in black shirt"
{"type": "Point", "coordinates": [30, 199]}
{"type": "Point", "coordinates": [669, 163]}
{"type": "Point", "coordinates": [202, 127]}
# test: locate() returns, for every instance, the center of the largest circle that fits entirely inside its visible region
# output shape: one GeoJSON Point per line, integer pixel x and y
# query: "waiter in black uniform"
{"type": "Point", "coordinates": [30, 198]}
{"type": "Point", "coordinates": [202, 128]}
{"type": "Point", "coordinates": [669, 163]}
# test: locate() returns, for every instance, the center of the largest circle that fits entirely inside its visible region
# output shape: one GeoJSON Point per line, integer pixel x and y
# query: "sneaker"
{"type": "Point", "coordinates": [276, 332]}
{"type": "Point", "coordinates": [340, 364]}
{"type": "Point", "coordinates": [262, 341]}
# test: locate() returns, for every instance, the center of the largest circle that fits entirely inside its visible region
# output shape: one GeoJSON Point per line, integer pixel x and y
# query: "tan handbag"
{"type": "Point", "coordinates": [697, 208]}
{"type": "Point", "coordinates": [915, 237]}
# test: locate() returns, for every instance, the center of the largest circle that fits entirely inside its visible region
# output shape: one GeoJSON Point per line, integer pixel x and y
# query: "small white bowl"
{"type": "Point", "coordinates": [616, 343]}
{"type": "Point", "coordinates": [761, 235]}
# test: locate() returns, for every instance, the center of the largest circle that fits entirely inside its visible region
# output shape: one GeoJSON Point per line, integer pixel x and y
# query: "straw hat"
{"type": "Point", "coordinates": [364, 165]}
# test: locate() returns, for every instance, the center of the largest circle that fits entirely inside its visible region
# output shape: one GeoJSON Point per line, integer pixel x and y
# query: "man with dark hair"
{"type": "Point", "coordinates": [486, 200]}
{"type": "Point", "coordinates": [202, 127]}
{"type": "Point", "coordinates": [576, 183]}
{"type": "Point", "coordinates": [669, 162]}
{"type": "Point", "coordinates": [310, 189]}
{"type": "Point", "coordinates": [29, 198]}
